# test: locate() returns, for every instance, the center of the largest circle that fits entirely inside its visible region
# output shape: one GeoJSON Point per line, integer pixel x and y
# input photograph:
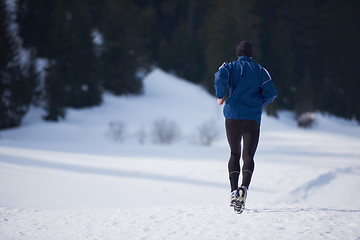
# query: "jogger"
{"type": "Point", "coordinates": [248, 88]}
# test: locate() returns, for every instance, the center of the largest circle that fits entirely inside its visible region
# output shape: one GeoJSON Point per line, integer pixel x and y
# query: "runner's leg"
{"type": "Point", "coordinates": [233, 133]}
{"type": "Point", "coordinates": [250, 141]}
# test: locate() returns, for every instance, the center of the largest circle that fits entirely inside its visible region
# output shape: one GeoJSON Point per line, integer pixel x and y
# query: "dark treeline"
{"type": "Point", "coordinates": [86, 47]}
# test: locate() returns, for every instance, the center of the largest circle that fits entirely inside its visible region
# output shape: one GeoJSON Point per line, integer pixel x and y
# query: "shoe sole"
{"type": "Point", "coordinates": [239, 205]}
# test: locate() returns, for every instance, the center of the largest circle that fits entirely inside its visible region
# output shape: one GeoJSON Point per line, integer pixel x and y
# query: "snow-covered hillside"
{"type": "Point", "coordinates": [73, 180]}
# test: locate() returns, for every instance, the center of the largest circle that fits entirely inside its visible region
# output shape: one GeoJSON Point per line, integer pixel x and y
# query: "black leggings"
{"type": "Point", "coordinates": [248, 130]}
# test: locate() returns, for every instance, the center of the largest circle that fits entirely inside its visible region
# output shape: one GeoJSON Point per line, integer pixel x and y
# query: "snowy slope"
{"type": "Point", "coordinates": [71, 180]}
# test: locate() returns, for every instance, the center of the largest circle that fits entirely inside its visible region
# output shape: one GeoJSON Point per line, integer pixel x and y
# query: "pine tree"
{"type": "Point", "coordinates": [339, 93]}
{"type": "Point", "coordinates": [121, 47]}
{"type": "Point", "coordinates": [182, 52]}
{"type": "Point", "coordinates": [61, 33]}
{"type": "Point", "coordinates": [16, 83]}
{"type": "Point", "coordinates": [304, 95]}
{"type": "Point", "coordinates": [83, 84]}
{"type": "Point", "coordinates": [278, 51]}
{"type": "Point", "coordinates": [226, 24]}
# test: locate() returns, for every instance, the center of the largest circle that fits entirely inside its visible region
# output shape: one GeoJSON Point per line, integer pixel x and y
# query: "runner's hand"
{"type": "Point", "coordinates": [220, 101]}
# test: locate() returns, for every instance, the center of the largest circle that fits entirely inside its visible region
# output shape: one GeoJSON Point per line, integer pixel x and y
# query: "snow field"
{"type": "Point", "coordinates": [181, 222]}
{"type": "Point", "coordinates": [71, 180]}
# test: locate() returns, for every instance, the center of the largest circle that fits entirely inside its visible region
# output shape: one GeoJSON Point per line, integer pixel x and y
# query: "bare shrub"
{"type": "Point", "coordinates": [207, 132]}
{"type": "Point", "coordinates": [165, 131]}
{"type": "Point", "coordinates": [117, 130]}
{"type": "Point", "coordinates": [141, 135]}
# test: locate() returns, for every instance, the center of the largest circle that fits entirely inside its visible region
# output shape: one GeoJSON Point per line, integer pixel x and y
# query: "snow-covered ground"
{"type": "Point", "coordinates": [72, 180]}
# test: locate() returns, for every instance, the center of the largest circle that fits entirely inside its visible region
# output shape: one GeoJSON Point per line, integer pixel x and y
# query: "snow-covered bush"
{"type": "Point", "coordinates": [306, 119]}
{"type": "Point", "coordinates": [165, 131]}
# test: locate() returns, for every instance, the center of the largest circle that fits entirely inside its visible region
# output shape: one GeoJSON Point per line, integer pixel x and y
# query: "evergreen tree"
{"type": "Point", "coordinates": [226, 24]}
{"type": "Point", "coordinates": [304, 95]}
{"type": "Point", "coordinates": [16, 83]}
{"type": "Point", "coordinates": [277, 51]}
{"type": "Point", "coordinates": [181, 50]}
{"type": "Point", "coordinates": [341, 57]}
{"type": "Point", "coordinates": [291, 39]}
{"type": "Point", "coordinates": [307, 31]}
{"type": "Point", "coordinates": [55, 91]}
{"type": "Point", "coordinates": [122, 47]}
{"type": "Point", "coordinates": [188, 60]}
{"type": "Point", "coordinates": [83, 83]}
{"type": "Point", "coordinates": [61, 32]}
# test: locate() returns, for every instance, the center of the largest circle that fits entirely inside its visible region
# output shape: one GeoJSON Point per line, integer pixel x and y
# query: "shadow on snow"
{"type": "Point", "coordinates": [109, 172]}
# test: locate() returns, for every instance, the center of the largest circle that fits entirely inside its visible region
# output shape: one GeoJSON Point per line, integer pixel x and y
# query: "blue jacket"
{"type": "Point", "coordinates": [249, 87]}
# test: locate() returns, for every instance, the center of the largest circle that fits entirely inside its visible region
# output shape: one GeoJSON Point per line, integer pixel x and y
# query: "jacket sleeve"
{"type": "Point", "coordinates": [221, 80]}
{"type": "Point", "coordinates": [268, 90]}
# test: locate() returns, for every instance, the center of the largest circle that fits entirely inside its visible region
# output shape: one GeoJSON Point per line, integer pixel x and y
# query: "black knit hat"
{"type": "Point", "coordinates": [244, 48]}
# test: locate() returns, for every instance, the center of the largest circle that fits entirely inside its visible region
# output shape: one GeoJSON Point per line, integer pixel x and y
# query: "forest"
{"type": "Point", "coordinates": [66, 54]}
